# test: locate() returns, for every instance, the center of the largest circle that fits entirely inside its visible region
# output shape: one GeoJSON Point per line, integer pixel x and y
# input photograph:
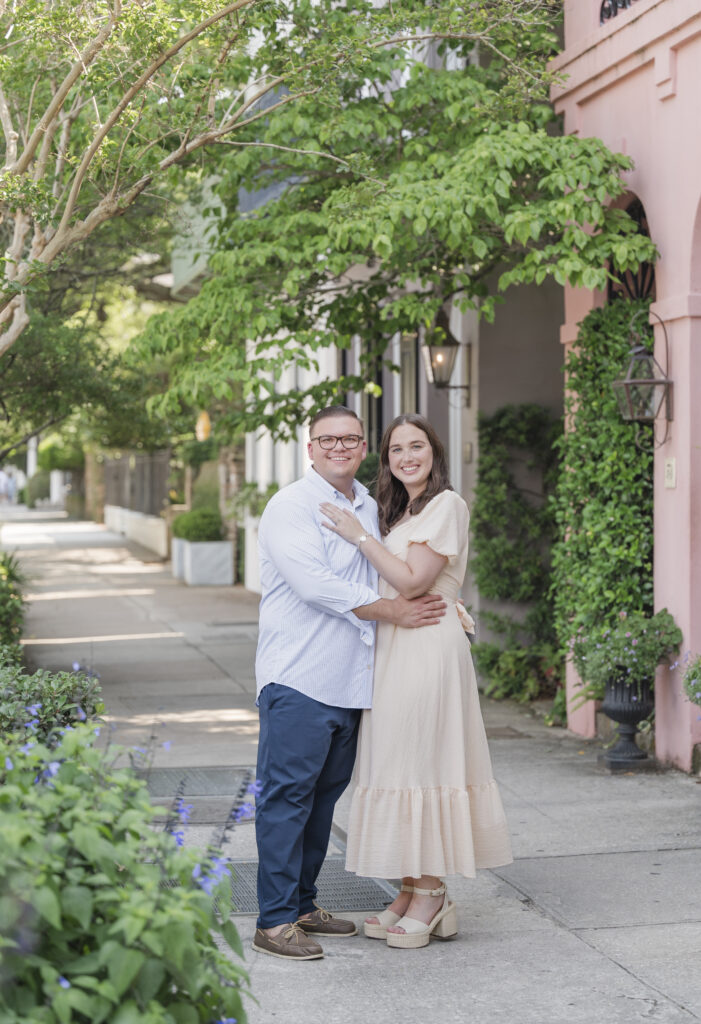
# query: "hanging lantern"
{"type": "Point", "coordinates": [439, 354]}
{"type": "Point", "coordinates": [646, 388]}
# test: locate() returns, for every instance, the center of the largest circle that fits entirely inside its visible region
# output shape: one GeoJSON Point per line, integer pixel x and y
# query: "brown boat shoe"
{"type": "Point", "coordinates": [320, 922]}
{"type": "Point", "coordinates": [290, 943]}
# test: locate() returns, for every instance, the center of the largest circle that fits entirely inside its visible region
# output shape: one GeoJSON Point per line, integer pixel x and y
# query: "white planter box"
{"type": "Point", "coordinates": [177, 557]}
{"type": "Point", "coordinates": [209, 564]}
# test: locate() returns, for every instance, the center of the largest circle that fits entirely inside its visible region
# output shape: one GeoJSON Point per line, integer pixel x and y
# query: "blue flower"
{"type": "Point", "coordinates": [227, 1020]}
{"type": "Point", "coordinates": [26, 747]}
{"type": "Point", "coordinates": [76, 666]}
{"type": "Point", "coordinates": [166, 745]}
{"type": "Point", "coordinates": [8, 764]}
{"type": "Point", "coordinates": [255, 788]}
{"type": "Point", "coordinates": [197, 871]}
{"type": "Point", "coordinates": [64, 982]}
{"type": "Point", "coordinates": [179, 837]}
{"type": "Point", "coordinates": [52, 769]}
{"type": "Point", "coordinates": [183, 811]}
{"type": "Point", "coordinates": [244, 812]}
{"type": "Point", "coordinates": [80, 714]}
{"type": "Point", "coordinates": [33, 708]}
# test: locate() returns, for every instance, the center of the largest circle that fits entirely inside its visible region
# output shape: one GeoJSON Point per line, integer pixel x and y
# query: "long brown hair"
{"type": "Point", "coordinates": [392, 496]}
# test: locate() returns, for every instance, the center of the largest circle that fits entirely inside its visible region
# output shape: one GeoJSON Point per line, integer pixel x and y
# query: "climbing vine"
{"type": "Point", "coordinates": [602, 556]}
{"type": "Point", "coordinates": [513, 527]}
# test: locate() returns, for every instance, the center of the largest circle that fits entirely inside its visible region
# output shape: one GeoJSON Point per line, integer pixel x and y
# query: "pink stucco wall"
{"type": "Point", "coordinates": [635, 82]}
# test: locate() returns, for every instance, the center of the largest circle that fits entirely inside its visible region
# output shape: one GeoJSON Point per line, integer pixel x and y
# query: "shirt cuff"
{"type": "Point", "coordinates": [366, 628]}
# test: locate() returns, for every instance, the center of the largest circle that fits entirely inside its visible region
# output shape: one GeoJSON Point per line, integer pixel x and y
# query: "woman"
{"type": "Point", "coordinates": [425, 803]}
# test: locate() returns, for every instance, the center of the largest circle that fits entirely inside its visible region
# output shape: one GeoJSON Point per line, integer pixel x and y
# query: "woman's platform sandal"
{"type": "Point", "coordinates": [386, 919]}
{"type": "Point", "coordinates": [444, 925]}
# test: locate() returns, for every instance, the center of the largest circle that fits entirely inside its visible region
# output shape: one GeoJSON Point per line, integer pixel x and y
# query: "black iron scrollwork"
{"type": "Point", "coordinates": [610, 8]}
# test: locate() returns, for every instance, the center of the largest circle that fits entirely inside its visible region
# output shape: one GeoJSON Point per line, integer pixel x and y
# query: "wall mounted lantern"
{"type": "Point", "coordinates": [439, 351]}
{"type": "Point", "coordinates": [646, 389]}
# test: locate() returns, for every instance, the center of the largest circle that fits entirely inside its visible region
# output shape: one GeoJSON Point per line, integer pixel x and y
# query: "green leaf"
{"type": "Point", "coordinates": [231, 934]}
{"type": "Point", "coordinates": [123, 966]}
{"type": "Point", "coordinates": [150, 978]}
{"type": "Point", "coordinates": [128, 1013]}
{"type": "Point", "coordinates": [77, 902]}
{"type": "Point", "coordinates": [46, 903]}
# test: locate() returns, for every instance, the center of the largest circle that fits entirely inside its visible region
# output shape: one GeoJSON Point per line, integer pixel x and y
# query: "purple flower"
{"type": "Point", "coordinates": [8, 764]}
{"type": "Point", "coordinates": [96, 730]}
{"type": "Point", "coordinates": [76, 666]}
{"type": "Point", "coordinates": [179, 837]}
{"type": "Point", "coordinates": [166, 745]}
{"type": "Point", "coordinates": [26, 747]}
{"type": "Point", "coordinates": [183, 811]}
{"type": "Point", "coordinates": [197, 871]}
{"type": "Point", "coordinates": [33, 708]}
{"type": "Point", "coordinates": [80, 714]}
{"type": "Point", "coordinates": [52, 769]}
{"type": "Point", "coordinates": [243, 812]}
{"type": "Point", "coordinates": [64, 982]}
{"type": "Point", "coordinates": [255, 788]}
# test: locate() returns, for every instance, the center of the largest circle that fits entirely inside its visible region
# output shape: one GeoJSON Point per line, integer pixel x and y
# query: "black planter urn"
{"type": "Point", "coordinates": [627, 704]}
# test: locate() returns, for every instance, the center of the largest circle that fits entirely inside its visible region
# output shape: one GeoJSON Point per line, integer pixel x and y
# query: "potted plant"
{"type": "Point", "coordinates": [617, 662]}
{"type": "Point", "coordinates": [692, 680]}
{"type": "Point", "coordinates": [207, 558]}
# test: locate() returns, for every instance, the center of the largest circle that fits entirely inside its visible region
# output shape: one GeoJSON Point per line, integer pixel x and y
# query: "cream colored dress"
{"type": "Point", "coordinates": [424, 798]}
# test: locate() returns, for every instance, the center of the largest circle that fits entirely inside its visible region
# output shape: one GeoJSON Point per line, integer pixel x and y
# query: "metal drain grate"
{"type": "Point", "coordinates": [339, 890]}
{"type": "Point", "coordinates": [162, 783]}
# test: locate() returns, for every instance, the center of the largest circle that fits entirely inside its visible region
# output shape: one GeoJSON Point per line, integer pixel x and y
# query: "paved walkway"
{"type": "Point", "coordinates": [598, 919]}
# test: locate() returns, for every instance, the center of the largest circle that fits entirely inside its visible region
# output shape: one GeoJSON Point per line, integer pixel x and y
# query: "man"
{"type": "Point", "coordinates": [314, 676]}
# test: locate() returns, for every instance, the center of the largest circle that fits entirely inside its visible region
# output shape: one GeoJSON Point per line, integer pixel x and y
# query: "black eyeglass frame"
{"type": "Point", "coordinates": [358, 438]}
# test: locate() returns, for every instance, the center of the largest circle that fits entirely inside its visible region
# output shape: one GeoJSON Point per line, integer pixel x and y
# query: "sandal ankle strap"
{"type": "Point", "coordinates": [440, 891]}
{"type": "Point", "coordinates": [407, 888]}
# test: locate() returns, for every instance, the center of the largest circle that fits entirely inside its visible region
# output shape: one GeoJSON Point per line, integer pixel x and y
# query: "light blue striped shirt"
{"type": "Point", "coordinates": [311, 579]}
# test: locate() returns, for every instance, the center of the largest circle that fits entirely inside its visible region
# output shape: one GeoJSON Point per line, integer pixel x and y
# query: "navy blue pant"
{"type": "Point", "coordinates": [306, 752]}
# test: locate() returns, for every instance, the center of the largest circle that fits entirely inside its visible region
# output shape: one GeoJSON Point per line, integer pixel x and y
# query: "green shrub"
{"type": "Point", "coordinates": [195, 453]}
{"type": "Point", "coordinates": [602, 557]}
{"type": "Point", "coordinates": [199, 524]}
{"type": "Point", "coordinates": [249, 500]}
{"type": "Point", "coordinates": [11, 603]}
{"type": "Point", "coordinates": [45, 703]}
{"type": "Point", "coordinates": [104, 919]}
{"type": "Point", "coordinates": [205, 486]}
{"type": "Point", "coordinates": [512, 527]}
{"type": "Point", "coordinates": [38, 487]}
{"type": "Point", "coordinates": [61, 454]}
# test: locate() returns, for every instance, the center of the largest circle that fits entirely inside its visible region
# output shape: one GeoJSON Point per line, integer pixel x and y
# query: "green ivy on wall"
{"type": "Point", "coordinates": [513, 527]}
{"type": "Point", "coordinates": [602, 557]}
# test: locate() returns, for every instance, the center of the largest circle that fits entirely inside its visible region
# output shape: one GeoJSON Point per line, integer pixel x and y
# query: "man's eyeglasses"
{"type": "Point", "coordinates": [328, 442]}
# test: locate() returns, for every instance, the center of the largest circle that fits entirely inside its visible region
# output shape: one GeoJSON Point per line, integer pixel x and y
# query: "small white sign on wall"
{"type": "Point", "coordinates": [670, 472]}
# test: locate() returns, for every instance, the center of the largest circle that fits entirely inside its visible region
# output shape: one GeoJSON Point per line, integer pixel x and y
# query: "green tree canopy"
{"type": "Point", "coordinates": [101, 100]}
{"type": "Point", "coordinates": [433, 180]}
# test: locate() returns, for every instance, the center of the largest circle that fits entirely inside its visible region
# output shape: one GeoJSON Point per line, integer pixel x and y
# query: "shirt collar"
{"type": "Point", "coordinates": [317, 481]}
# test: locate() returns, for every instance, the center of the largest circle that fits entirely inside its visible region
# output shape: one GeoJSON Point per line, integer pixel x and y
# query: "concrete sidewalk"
{"type": "Point", "coordinates": [598, 919]}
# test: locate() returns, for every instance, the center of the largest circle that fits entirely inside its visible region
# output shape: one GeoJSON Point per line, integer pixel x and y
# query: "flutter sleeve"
{"type": "Point", "coordinates": [443, 525]}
